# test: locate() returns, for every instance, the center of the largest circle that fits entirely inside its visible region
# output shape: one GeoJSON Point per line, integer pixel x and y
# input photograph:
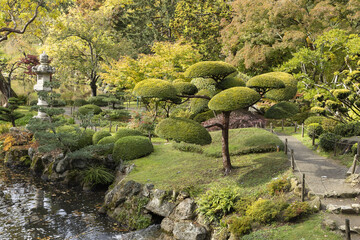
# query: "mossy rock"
{"type": "Point", "coordinates": [230, 82]}
{"type": "Point", "coordinates": [216, 70]}
{"type": "Point", "coordinates": [132, 147]}
{"type": "Point", "coordinates": [155, 88]}
{"type": "Point", "coordinates": [185, 88]}
{"type": "Point", "coordinates": [183, 130]}
{"type": "Point", "coordinates": [234, 98]}
{"type": "Point", "coordinates": [282, 110]}
{"type": "Point", "coordinates": [265, 82]}
{"type": "Point", "coordinates": [286, 93]}
{"type": "Point", "coordinates": [86, 109]}
{"type": "Point", "coordinates": [124, 132]}
{"type": "Point", "coordinates": [100, 135]}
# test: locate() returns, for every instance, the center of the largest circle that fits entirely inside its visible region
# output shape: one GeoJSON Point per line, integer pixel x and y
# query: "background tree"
{"type": "Point", "coordinates": [282, 110]}
{"type": "Point", "coordinates": [8, 113]}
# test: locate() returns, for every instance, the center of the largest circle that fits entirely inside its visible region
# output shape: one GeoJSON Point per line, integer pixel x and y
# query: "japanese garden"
{"type": "Point", "coordinates": [180, 119]}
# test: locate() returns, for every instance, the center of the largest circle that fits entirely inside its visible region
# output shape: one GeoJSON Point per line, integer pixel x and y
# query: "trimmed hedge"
{"type": "Point", "coordinates": [185, 88]}
{"type": "Point", "coordinates": [125, 132]}
{"type": "Point", "coordinates": [183, 130]}
{"type": "Point", "coordinates": [216, 70]}
{"type": "Point", "coordinates": [265, 81]}
{"type": "Point", "coordinates": [327, 141]}
{"type": "Point", "coordinates": [155, 88]}
{"type": "Point", "coordinates": [230, 82]}
{"type": "Point", "coordinates": [132, 147]}
{"type": "Point", "coordinates": [100, 135]}
{"type": "Point", "coordinates": [282, 110]}
{"type": "Point", "coordinates": [107, 140]}
{"type": "Point", "coordinates": [286, 93]}
{"type": "Point", "coordinates": [86, 109]}
{"type": "Point", "coordinates": [234, 98]}
{"type": "Point", "coordinates": [198, 105]}
{"type": "Point", "coordinates": [86, 138]}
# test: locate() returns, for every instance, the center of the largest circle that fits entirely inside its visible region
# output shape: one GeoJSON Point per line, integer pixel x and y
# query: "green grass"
{"type": "Point", "coordinates": [309, 229]}
{"type": "Point", "coordinates": [345, 159]}
{"type": "Point", "coordinates": [243, 141]}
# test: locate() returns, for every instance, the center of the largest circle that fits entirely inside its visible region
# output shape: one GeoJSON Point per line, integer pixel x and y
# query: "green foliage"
{"type": "Point", "coordinates": [185, 88]}
{"type": "Point", "coordinates": [183, 130]}
{"type": "Point", "coordinates": [243, 203]}
{"type": "Point", "coordinates": [348, 129]}
{"type": "Point", "coordinates": [120, 115]}
{"type": "Point", "coordinates": [98, 101]}
{"type": "Point", "coordinates": [89, 108]}
{"type": "Point", "coordinates": [314, 119]}
{"type": "Point", "coordinates": [239, 226]}
{"type": "Point", "coordinates": [278, 186]}
{"type": "Point", "coordinates": [282, 110]}
{"type": "Point", "coordinates": [231, 81]}
{"type": "Point", "coordinates": [341, 93]}
{"type": "Point", "coordinates": [329, 124]}
{"type": "Point", "coordinates": [107, 140]}
{"type": "Point", "coordinates": [234, 98]}
{"type": "Point", "coordinates": [296, 210]}
{"type": "Point", "coordinates": [216, 70]}
{"type": "Point", "coordinates": [124, 132]}
{"type": "Point", "coordinates": [80, 102]}
{"type": "Point", "coordinates": [97, 175]}
{"type": "Point", "coordinates": [155, 88]}
{"type": "Point", "coordinates": [263, 210]}
{"type": "Point", "coordinates": [100, 135]}
{"type": "Point", "coordinates": [216, 203]}
{"type": "Point", "coordinates": [286, 93]}
{"type": "Point", "coordinates": [132, 147]}
{"type": "Point", "coordinates": [265, 82]}
{"type": "Point", "coordinates": [85, 138]}
{"type": "Point", "coordinates": [314, 130]}
{"type": "Point", "coordinates": [204, 116]}
{"type": "Point", "coordinates": [328, 140]}
{"type": "Point", "coordinates": [198, 105]}
{"type": "Point", "coordinates": [8, 114]}
{"type": "Point", "coordinates": [187, 147]}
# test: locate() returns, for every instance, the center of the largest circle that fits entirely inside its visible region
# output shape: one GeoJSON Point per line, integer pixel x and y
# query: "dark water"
{"type": "Point", "coordinates": [30, 209]}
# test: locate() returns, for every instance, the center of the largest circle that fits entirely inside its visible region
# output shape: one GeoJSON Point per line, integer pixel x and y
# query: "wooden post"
{"type": "Point", "coordinates": [116, 128]}
{"type": "Point", "coordinates": [277, 148]}
{"type": "Point", "coordinates": [303, 188]}
{"type": "Point", "coordinates": [286, 146]}
{"type": "Point", "coordinates": [71, 110]}
{"type": "Point", "coordinates": [295, 127]}
{"type": "Point", "coordinates": [347, 229]}
{"type": "Point", "coordinates": [271, 128]}
{"type": "Point", "coordinates": [282, 124]}
{"type": "Point", "coordinates": [354, 164]}
{"type": "Point", "coordinates": [302, 130]}
{"type": "Point", "coordinates": [313, 139]}
{"type": "Point", "coordinates": [292, 159]}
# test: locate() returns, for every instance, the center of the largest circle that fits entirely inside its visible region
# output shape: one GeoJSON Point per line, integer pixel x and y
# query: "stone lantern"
{"type": "Point", "coordinates": [43, 72]}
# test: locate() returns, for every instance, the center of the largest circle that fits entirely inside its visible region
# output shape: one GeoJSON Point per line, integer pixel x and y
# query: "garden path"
{"type": "Point", "coordinates": [326, 178]}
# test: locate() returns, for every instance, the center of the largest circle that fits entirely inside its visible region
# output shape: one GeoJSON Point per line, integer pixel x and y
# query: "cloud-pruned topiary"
{"type": "Point", "coordinates": [86, 109]}
{"type": "Point", "coordinates": [100, 135]}
{"type": "Point", "coordinates": [233, 99]}
{"type": "Point", "coordinates": [155, 88]}
{"type": "Point", "coordinates": [107, 140]}
{"type": "Point", "coordinates": [282, 110]}
{"type": "Point", "coordinates": [198, 105]}
{"type": "Point", "coordinates": [286, 93]}
{"type": "Point", "coordinates": [185, 88]}
{"type": "Point", "coordinates": [132, 147]}
{"type": "Point", "coordinates": [216, 70]}
{"type": "Point", "coordinates": [183, 130]}
{"type": "Point", "coordinates": [264, 83]}
{"type": "Point", "coordinates": [125, 132]}
{"type": "Point", "coordinates": [231, 81]}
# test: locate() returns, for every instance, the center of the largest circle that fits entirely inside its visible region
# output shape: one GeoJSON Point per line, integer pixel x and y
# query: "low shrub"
{"type": "Point", "coordinates": [86, 109]}
{"type": "Point", "coordinates": [132, 147]}
{"type": "Point", "coordinates": [296, 210]}
{"type": "Point", "coordinates": [278, 186]}
{"type": "Point", "coordinates": [329, 125]}
{"type": "Point", "coordinates": [125, 132]}
{"type": "Point", "coordinates": [263, 211]}
{"type": "Point", "coordinates": [33, 102]}
{"type": "Point", "coordinates": [328, 140]}
{"type": "Point", "coordinates": [354, 148]}
{"type": "Point", "coordinates": [80, 102]}
{"type": "Point", "coordinates": [239, 226]}
{"type": "Point", "coordinates": [348, 129]}
{"type": "Point", "coordinates": [215, 204]}
{"type": "Point", "coordinates": [243, 203]}
{"type": "Point", "coordinates": [100, 135]}
{"type": "Point", "coordinates": [97, 175]}
{"type": "Point", "coordinates": [85, 138]}
{"type": "Point", "coordinates": [314, 119]}
{"type": "Point", "coordinates": [107, 140]}
{"type": "Point", "coordinates": [314, 129]}
{"type": "Point", "coordinates": [120, 115]}
{"type": "Point", "coordinates": [98, 101]}
{"type": "Point", "coordinates": [188, 147]}
{"type": "Point", "coordinates": [57, 103]}
{"type": "Point", "coordinates": [183, 130]}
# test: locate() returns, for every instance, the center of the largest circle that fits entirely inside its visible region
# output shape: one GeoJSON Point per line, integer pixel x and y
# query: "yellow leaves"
{"type": "Point", "coordinates": [9, 141]}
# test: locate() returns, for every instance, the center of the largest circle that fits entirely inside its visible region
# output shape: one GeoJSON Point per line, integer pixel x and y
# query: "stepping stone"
{"type": "Point", "coordinates": [347, 210]}
{"type": "Point", "coordinates": [333, 208]}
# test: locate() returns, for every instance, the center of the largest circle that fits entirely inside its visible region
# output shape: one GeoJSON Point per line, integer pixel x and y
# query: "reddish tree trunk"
{"type": "Point", "coordinates": [225, 143]}
{"type": "Point", "coordinates": [4, 89]}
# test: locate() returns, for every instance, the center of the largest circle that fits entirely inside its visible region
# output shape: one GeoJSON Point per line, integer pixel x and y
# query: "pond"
{"type": "Point", "coordinates": [31, 209]}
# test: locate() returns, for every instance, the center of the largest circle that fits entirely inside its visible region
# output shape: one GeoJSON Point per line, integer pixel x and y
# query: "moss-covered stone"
{"type": "Point", "coordinates": [234, 98]}
{"type": "Point", "coordinates": [100, 135]}
{"type": "Point", "coordinates": [282, 110]}
{"type": "Point", "coordinates": [286, 93]}
{"type": "Point", "coordinates": [216, 70]}
{"type": "Point", "coordinates": [183, 130]}
{"type": "Point", "coordinates": [132, 147]}
{"type": "Point", "coordinates": [155, 88]}
{"type": "Point", "coordinates": [124, 132]}
{"type": "Point", "coordinates": [86, 109]}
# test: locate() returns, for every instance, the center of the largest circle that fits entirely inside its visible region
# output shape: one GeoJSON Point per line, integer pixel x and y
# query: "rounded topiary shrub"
{"type": "Point", "coordinates": [329, 124]}
{"type": "Point", "coordinates": [86, 138]}
{"type": "Point", "coordinates": [282, 110]}
{"type": "Point", "coordinates": [230, 82]}
{"type": "Point", "coordinates": [204, 116]}
{"type": "Point", "coordinates": [327, 141]}
{"type": "Point", "coordinates": [86, 109]}
{"type": "Point", "coordinates": [124, 132]}
{"type": "Point", "coordinates": [286, 93]}
{"type": "Point", "coordinates": [265, 81]}
{"type": "Point", "coordinates": [98, 101]}
{"type": "Point", "coordinates": [107, 140]}
{"type": "Point", "coordinates": [185, 88]}
{"type": "Point", "coordinates": [314, 119]}
{"type": "Point", "coordinates": [155, 88]}
{"type": "Point", "coordinates": [314, 130]}
{"type": "Point", "coordinates": [183, 130]}
{"type": "Point", "coordinates": [80, 102]}
{"type": "Point", "coordinates": [216, 70]}
{"type": "Point", "coordinates": [100, 135]}
{"type": "Point", "coordinates": [263, 211]}
{"type": "Point", "coordinates": [132, 147]}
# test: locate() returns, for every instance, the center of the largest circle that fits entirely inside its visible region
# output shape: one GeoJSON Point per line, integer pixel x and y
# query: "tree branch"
{"type": "Point", "coordinates": [195, 96]}
{"type": "Point", "coordinates": [215, 125]}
